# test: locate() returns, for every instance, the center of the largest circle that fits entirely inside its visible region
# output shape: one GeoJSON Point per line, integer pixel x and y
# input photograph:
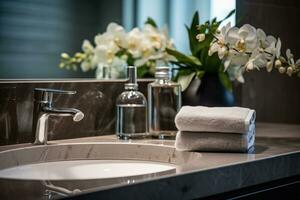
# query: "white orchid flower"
{"type": "Point", "coordinates": [223, 32]}
{"type": "Point", "coordinates": [115, 33]}
{"type": "Point", "coordinates": [298, 62]}
{"type": "Point", "coordinates": [264, 40]}
{"type": "Point", "coordinates": [234, 58]}
{"type": "Point", "coordinates": [103, 39]}
{"type": "Point", "coordinates": [290, 57]}
{"type": "Point", "coordinates": [219, 44]}
{"type": "Point", "coordinates": [261, 35]}
{"type": "Point", "coordinates": [118, 67]}
{"type": "Point", "coordinates": [105, 53]}
{"type": "Point", "coordinates": [86, 66]}
{"type": "Point", "coordinates": [87, 47]}
{"type": "Point", "coordinates": [257, 60]}
{"type": "Point", "coordinates": [242, 39]}
{"type": "Point", "coordinates": [291, 62]}
{"type": "Point", "coordinates": [147, 53]}
{"type": "Point", "coordinates": [156, 38]}
{"type": "Point", "coordinates": [134, 38]}
{"type": "Point", "coordinates": [272, 52]}
{"type": "Point", "coordinates": [217, 47]}
{"type": "Point", "coordinates": [119, 34]}
{"type": "Point", "coordinates": [236, 73]}
{"type": "Point", "coordinates": [270, 47]}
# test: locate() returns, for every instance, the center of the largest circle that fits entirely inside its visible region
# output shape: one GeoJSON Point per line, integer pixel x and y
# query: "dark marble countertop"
{"type": "Point", "coordinates": [201, 174]}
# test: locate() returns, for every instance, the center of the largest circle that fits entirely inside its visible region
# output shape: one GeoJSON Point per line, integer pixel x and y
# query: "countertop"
{"type": "Point", "coordinates": [201, 174]}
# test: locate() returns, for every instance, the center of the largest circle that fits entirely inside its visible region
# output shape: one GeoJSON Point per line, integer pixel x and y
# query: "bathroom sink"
{"type": "Point", "coordinates": [85, 161]}
{"type": "Point", "coordinates": [84, 169]}
{"type": "Point", "coordinates": [65, 169]}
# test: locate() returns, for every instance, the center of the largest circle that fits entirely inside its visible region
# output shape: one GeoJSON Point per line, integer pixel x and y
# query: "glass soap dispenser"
{"type": "Point", "coordinates": [164, 98]}
{"type": "Point", "coordinates": [131, 110]}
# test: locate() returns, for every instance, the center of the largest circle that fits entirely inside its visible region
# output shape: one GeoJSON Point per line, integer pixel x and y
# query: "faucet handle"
{"type": "Point", "coordinates": [45, 95]}
{"type": "Point", "coordinates": [54, 91]}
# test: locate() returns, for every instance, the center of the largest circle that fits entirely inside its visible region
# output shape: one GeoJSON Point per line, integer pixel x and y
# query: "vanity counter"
{"type": "Point", "coordinates": [202, 174]}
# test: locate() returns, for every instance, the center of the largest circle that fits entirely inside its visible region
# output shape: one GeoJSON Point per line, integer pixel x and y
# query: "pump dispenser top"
{"type": "Point", "coordinates": [132, 80]}
{"type": "Point", "coordinates": [162, 72]}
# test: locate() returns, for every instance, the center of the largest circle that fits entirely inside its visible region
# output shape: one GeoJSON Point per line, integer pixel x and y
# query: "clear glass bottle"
{"type": "Point", "coordinates": [103, 72]}
{"type": "Point", "coordinates": [131, 110]}
{"type": "Point", "coordinates": [164, 99]}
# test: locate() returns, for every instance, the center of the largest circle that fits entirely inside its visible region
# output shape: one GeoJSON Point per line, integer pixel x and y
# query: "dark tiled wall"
{"type": "Point", "coordinates": [95, 98]}
{"type": "Point", "coordinates": [275, 96]}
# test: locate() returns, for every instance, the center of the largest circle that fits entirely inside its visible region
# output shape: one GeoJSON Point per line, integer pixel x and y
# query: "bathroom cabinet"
{"type": "Point", "coordinates": [287, 188]}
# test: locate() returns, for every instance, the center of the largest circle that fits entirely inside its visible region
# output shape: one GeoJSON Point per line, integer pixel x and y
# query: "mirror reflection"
{"type": "Point", "coordinates": [47, 39]}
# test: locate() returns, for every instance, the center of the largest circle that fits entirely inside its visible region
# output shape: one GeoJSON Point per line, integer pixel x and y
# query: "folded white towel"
{"type": "Point", "coordinates": [214, 119]}
{"type": "Point", "coordinates": [215, 142]}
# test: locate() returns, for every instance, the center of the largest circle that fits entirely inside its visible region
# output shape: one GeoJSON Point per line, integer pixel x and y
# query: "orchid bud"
{"type": "Point", "coordinates": [249, 66]}
{"type": "Point", "coordinates": [61, 65]}
{"type": "Point", "coordinates": [290, 71]}
{"type": "Point", "coordinates": [200, 37]}
{"type": "Point", "coordinates": [65, 56]}
{"type": "Point", "coordinates": [278, 63]}
{"type": "Point", "coordinates": [281, 70]}
{"type": "Point", "coordinates": [79, 55]}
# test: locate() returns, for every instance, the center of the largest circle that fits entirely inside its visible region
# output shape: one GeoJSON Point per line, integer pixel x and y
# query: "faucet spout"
{"type": "Point", "coordinates": [43, 109]}
{"type": "Point", "coordinates": [73, 112]}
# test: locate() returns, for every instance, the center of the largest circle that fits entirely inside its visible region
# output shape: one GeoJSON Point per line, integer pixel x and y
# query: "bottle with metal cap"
{"type": "Point", "coordinates": [131, 110]}
{"type": "Point", "coordinates": [164, 101]}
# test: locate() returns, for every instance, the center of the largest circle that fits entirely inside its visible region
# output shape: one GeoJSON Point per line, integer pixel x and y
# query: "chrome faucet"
{"type": "Point", "coordinates": [43, 108]}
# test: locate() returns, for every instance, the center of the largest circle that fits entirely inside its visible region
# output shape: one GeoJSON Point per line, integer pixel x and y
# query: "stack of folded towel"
{"type": "Point", "coordinates": [221, 129]}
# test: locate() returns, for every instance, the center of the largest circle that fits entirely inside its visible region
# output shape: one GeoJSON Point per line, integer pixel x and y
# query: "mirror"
{"type": "Point", "coordinates": [33, 34]}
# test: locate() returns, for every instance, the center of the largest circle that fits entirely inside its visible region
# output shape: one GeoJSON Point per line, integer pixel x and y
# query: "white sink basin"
{"type": "Point", "coordinates": [86, 161]}
{"type": "Point", "coordinates": [84, 169]}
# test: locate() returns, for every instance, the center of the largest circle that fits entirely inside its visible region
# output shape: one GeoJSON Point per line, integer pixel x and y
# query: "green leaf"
{"type": "Point", "coordinates": [214, 27]}
{"type": "Point", "coordinates": [229, 15]}
{"type": "Point", "coordinates": [180, 65]}
{"type": "Point", "coordinates": [142, 71]}
{"type": "Point", "coordinates": [212, 63]}
{"type": "Point", "coordinates": [185, 80]}
{"type": "Point", "coordinates": [182, 58]}
{"type": "Point", "coordinates": [192, 33]}
{"type": "Point", "coordinates": [195, 21]}
{"type": "Point", "coordinates": [205, 44]}
{"type": "Point", "coordinates": [224, 78]}
{"type": "Point", "coordinates": [195, 60]}
{"type": "Point", "coordinates": [200, 74]}
{"type": "Point", "coordinates": [193, 42]}
{"type": "Point", "coordinates": [298, 74]}
{"type": "Point", "coordinates": [151, 22]}
{"type": "Point", "coordinates": [202, 28]}
{"type": "Point", "coordinates": [214, 20]}
{"type": "Point", "coordinates": [130, 59]}
{"type": "Point", "coordinates": [183, 72]}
